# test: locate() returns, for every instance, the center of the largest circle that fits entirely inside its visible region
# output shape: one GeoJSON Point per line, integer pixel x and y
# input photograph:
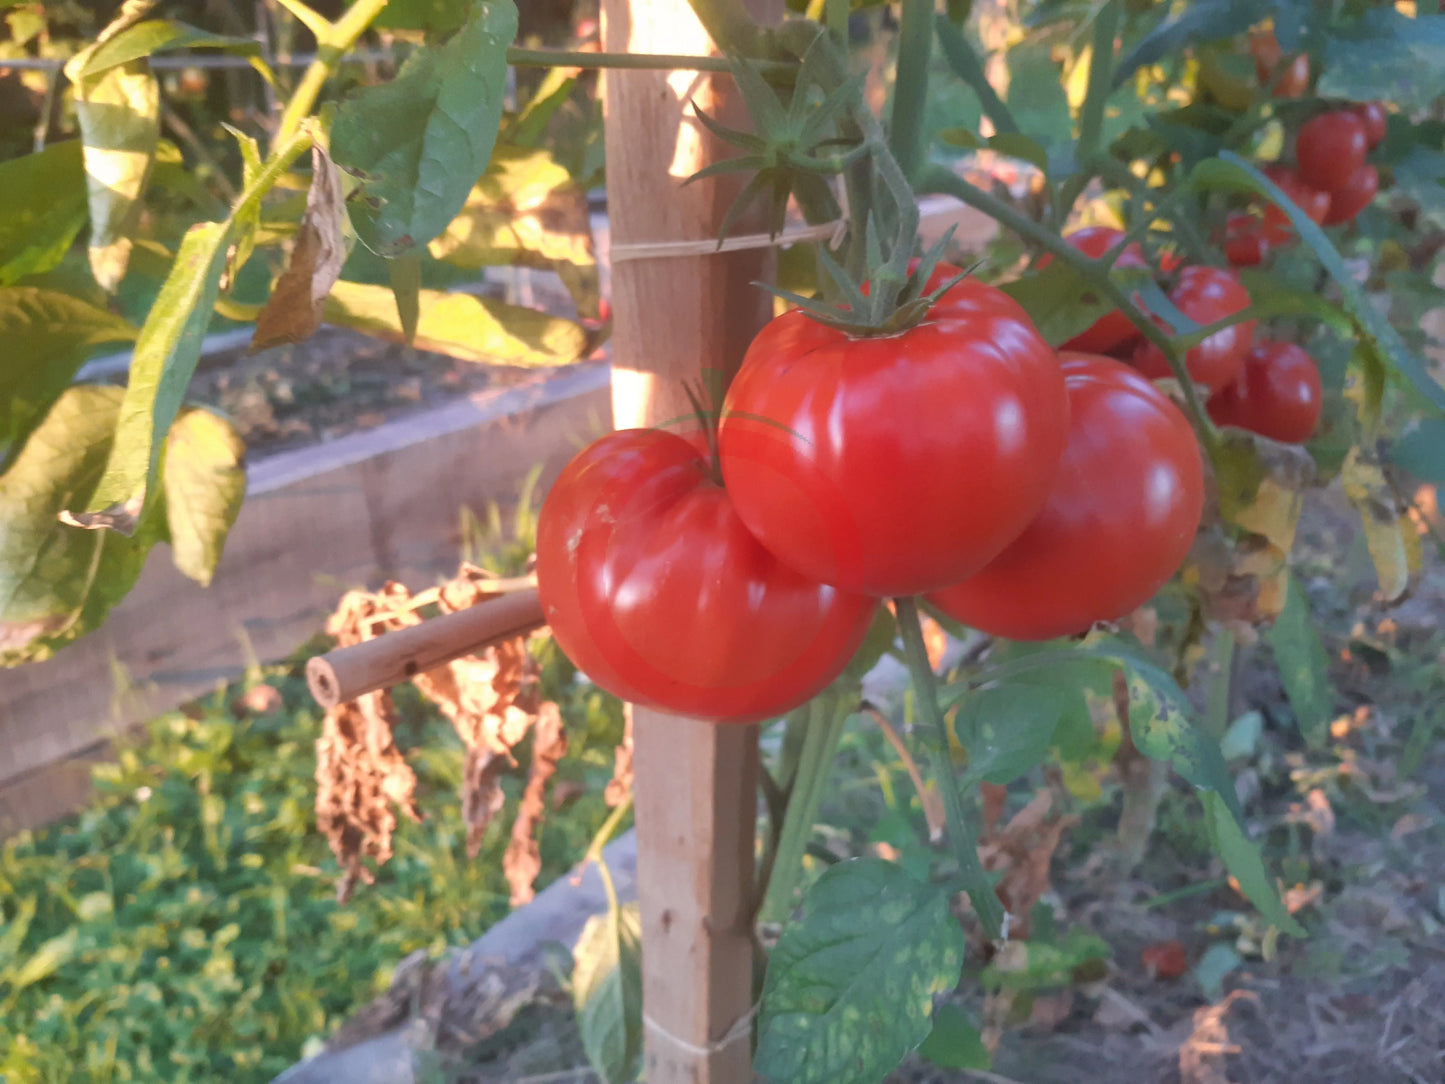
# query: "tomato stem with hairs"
{"type": "Point", "coordinates": [961, 832]}
{"type": "Point", "coordinates": [910, 88]}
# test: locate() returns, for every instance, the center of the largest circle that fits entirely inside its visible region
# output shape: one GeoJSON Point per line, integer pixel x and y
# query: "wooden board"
{"type": "Point", "coordinates": [676, 320]}
{"type": "Point", "coordinates": [367, 507]}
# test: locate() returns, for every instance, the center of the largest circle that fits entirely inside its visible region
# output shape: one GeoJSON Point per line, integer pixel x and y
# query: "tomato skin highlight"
{"type": "Point", "coordinates": [1120, 518]}
{"type": "Point", "coordinates": [1372, 116]}
{"type": "Point", "coordinates": [1354, 197]}
{"type": "Point", "coordinates": [1205, 294]}
{"type": "Point", "coordinates": [894, 465]}
{"type": "Point", "coordinates": [656, 590]}
{"type": "Point", "coordinates": [1277, 395]}
{"type": "Point", "coordinates": [1329, 149]}
{"type": "Point", "coordinates": [1112, 330]}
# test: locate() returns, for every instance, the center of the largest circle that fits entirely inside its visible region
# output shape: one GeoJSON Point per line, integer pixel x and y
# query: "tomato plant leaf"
{"type": "Point", "coordinates": [204, 483]}
{"type": "Point", "coordinates": [1303, 664]}
{"type": "Point", "coordinates": [1007, 730]}
{"type": "Point", "coordinates": [58, 582]}
{"type": "Point", "coordinates": [1242, 858]}
{"type": "Point", "coordinates": [850, 988]}
{"type": "Point", "coordinates": [1421, 451]}
{"type": "Point", "coordinates": [45, 204]}
{"type": "Point", "coordinates": [120, 126]}
{"type": "Point", "coordinates": [1420, 176]}
{"type": "Point", "coordinates": [1230, 172]}
{"type": "Point", "coordinates": [47, 336]}
{"type": "Point", "coordinates": [156, 36]}
{"type": "Point", "coordinates": [1204, 20]}
{"type": "Point", "coordinates": [293, 311]}
{"type": "Point", "coordinates": [1386, 54]}
{"type": "Point", "coordinates": [955, 1041]}
{"type": "Point", "coordinates": [461, 325]}
{"type": "Point", "coordinates": [607, 991]}
{"type": "Point", "coordinates": [419, 143]}
{"type": "Point", "coordinates": [165, 358]}
{"type": "Point", "coordinates": [1393, 542]}
{"type": "Point", "coordinates": [1037, 964]}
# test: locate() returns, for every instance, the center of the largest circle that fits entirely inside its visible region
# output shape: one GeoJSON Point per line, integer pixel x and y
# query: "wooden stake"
{"type": "Point", "coordinates": [682, 319]}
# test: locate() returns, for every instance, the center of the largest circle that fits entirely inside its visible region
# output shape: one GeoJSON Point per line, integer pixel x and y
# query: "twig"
{"type": "Point", "coordinates": [932, 803]}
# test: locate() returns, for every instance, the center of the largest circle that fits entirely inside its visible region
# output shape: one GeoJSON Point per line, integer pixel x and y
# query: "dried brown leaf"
{"type": "Point", "coordinates": [292, 313]}
{"type": "Point", "coordinates": [523, 860]}
{"type": "Point", "coordinates": [620, 785]}
{"type": "Point", "coordinates": [1023, 850]}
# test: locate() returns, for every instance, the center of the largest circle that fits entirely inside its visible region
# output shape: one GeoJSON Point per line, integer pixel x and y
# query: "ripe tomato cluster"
{"type": "Point", "coordinates": [1331, 182]}
{"type": "Point", "coordinates": [1027, 493]}
{"type": "Point", "coordinates": [1269, 388]}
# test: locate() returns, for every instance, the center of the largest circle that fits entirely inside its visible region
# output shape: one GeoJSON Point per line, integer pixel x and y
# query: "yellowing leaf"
{"type": "Point", "coordinates": [1391, 538]}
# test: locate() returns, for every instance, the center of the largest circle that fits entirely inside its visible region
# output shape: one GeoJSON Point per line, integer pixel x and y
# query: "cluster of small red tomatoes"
{"type": "Point", "coordinates": [1026, 492]}
{"type": "Point", "coordinates": [1270, 388]}
{"type": "Point", "coordinates": [1331, 181]}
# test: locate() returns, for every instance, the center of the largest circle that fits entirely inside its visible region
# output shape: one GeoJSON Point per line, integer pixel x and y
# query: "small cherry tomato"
{"type": "Point", "coordinates": [1205, 294]}
{"type": "Point", "coordinates": [1120, 517]}
{"type": "Point", "coordinates": [1277, 395]}
{"type": "Point", "coordinates": [1330, 148]}
{"type": "Point", "coordinates": [656, 590]}
{"type": "Point", "coordinates": [1314, 203]}
{"type": "Point", "coordinates": [1165, 960]}
{"type": "Point", "coordinates": [895, 464]}
{"type": "Point", "coordinates": [1354, 197]}
{"type": "Point", "coordinates": [1112, 330]}
{"type": "Point", "coordinates": [1372, 116]}
{"type": "Point", "coordinates": [1245, 244]}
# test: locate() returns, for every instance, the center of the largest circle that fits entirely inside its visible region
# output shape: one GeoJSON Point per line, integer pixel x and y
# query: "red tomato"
{"type": "Point", "coordinates": [1245, 240]}
{"type": "Point", "coordinates": [895, 464]}
{"type": "Point", "coordinates": [1314, 203]}
{"type": "Point", "coordinates": [1277, 395]}
{"type": "Point", "coordinates": [656, 590]}
{"type": "Point", "coordinates": [1113, 329]}
{"type": "Point", "coordinates": [1354, 197]}
{"type": "Point", "coordinates": [1372, 116]}
{"type": "Point", "coordinates": [1330, 148]}
{"type": "Point", "coordinates": [1121, 515]}
{"type": "Point", "coordinates": [1165, 960]}
{"type": "Point", "coordinates": [1205, 294]}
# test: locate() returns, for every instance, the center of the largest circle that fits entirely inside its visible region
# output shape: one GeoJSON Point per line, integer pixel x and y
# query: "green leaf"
{"type": "Point", "coordinates": [58, 582]}
{"type": "Point", "coordinates": [155, 36]}
{"type": "Point", "coordinates": [433, 16]}
{"type": "Point", "coordinates": [1421, 451]}
{"type": "Point", "coordinates": [405, 274]}
{"type": "Point", "coordinates": [205, 483]}
{"type": "Point", "coordinates": [1217, 962]}
{"type": "Point", "coordinates": [1007, 730]}
{"type": "Point", "coordinates": [850, 985]}
{"type": "Point", "coordinates": [165, 359]}
{"type": "Point", "coordinates": [1037, 965]}
{"type": "Point", "coordinates": [1230, 172]}
{"type": "Point", "coordinates": [526, 210]}
{"type": "Point", "coordinates": [1303, 664]}
{"type": "Point", "coordinates": [461, 325]}
{"type": "Point", "coordinates": [1059, 301]}
{"type": "Point", "coordinates": [47, 336]}
{"type": "Point", "coordinates": [47, 960]}
{"type": "Point", "coordinates": [13, 935]}
{"type": "Point", "coordinates": [1203, 20]}
{"type": "Point", "coordinates": [1419, 176]}
{"type": "Point", "coordinates": [120, 126]}
{"type": "Point", "coordinates": [420, 142]}
{"type": "Point", "coordinates": [1244, 862]}
{"type": "Point", "coordinates": [44, 209]}
{"type": "Point", "coordinates": [607, 991]}
{"type": "Point", "coordinates": [955, 1042]}
{"type": "Point", "coordinates": [1386, 54]}
{"type": "Point", "coordinates": [1036, 95]}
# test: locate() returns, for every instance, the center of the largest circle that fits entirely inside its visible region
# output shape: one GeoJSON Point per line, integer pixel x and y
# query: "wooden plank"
{"type": "Point", "coordinates": [367, 507]}
{"type": "Point", "coordinates": [680, 319]}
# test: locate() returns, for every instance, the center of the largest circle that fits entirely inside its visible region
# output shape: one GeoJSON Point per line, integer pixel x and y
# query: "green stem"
{"type": "Point", "coordinates": [337, 41]}
{"type": "Point", "coordinates": [1116, 173]}
{"type": "Point", "coordinates": [1221, 683]}
{"type": "Point", "coordinates": [827, 713]}
{"type": "Point", "coordinates": [910, 87]}
{"type": "Point", "coordinates": [945, 182]}
{"type": "Point", "coordinates": [1101, 74]}
{"type": "Point", "coordinates": [961, 831]}
{"type": "Point", "coordinates": [312, 20]}
{"type": "Point", "coordinates": [968, 67]}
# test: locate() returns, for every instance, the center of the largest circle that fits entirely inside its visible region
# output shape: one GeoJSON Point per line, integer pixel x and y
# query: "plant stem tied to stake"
{"type": "Point", "coordinates": [961, 832]}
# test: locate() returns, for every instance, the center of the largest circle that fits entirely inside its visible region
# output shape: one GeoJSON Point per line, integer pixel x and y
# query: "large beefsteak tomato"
{"type": "Point", "coordinates": [656, 590]}
{"type": "Point", "coordinates": [895, 464]}
{"type": "Point", "coordinates": [1123, 511]}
